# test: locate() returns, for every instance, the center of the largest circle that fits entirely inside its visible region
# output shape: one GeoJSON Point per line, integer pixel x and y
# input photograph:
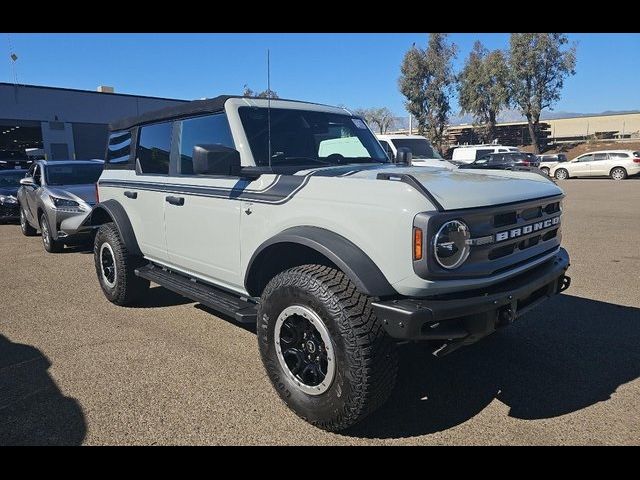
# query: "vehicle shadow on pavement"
{"type": "Point", "coordinates": [568, 354]}
{"type": "Point", "coordinates": [33, 410]}
{"type": "Point", "coordinates": [158, 297]}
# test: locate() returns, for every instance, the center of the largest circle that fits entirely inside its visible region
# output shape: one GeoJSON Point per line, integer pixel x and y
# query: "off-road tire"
{"type": "Point", "coordinates": [128, 288]}
{"type": "Point", "coordinates": [25, 227]}
{"type": "Point", "coordinates": [366, 357]}
{"type": "Point", "coordinates": [558, 174]}
{"type": "Point", "coordinates": [618, 173]}
{"type": "Point", "coordinates": [49, 244]}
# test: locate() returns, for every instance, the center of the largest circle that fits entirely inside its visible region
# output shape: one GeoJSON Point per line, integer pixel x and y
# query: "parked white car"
{"type": "Point", "coordinates": [471, 153]}
{"type": "Point", "coordinates": [617, 164]}
{"type": "Point", "coordinates": [422, 152]}
{"type": "Point", "coordinates": [548, 161]}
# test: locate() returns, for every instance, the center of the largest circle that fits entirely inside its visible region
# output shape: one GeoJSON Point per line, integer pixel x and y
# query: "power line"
{"type": "Point", "coordinates": [12, 60]}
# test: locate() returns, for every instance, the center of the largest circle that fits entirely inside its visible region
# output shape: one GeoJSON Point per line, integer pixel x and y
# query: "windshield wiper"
{"type": "Point", "coordinates": [283, 160]}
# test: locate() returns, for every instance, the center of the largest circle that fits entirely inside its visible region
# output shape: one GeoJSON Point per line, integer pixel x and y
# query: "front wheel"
{"type": "Point", "coordinates": [115, 267]}
{"type": "Point", "coordinates": [562, 174]}
{"type": "Point", "coordinates": [545, 170]}
{"type": "Point", "coordinates": [50, 244]}
{"type": "Point", "coordinates": [618, 173]}
{"type": "Point", "coordinates": [326, 353]}
{"type": "Point", "coordinates": [25, 227]}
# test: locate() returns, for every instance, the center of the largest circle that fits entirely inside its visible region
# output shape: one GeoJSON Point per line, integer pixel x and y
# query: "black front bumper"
{"type": "Point", "coordinates": [465, 317]}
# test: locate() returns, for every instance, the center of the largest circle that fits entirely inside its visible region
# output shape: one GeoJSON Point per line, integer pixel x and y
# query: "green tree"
{"type": "Point", "coordinates": [483, 87]}
{"type": "Point", "coordinates": [539, 63]}
{"type": "Point", "coordinates": [427, 81]}
{"type": "Point", "coordinates": [248, 92]}
{"type": "Point", "coordinates": [381, 117]}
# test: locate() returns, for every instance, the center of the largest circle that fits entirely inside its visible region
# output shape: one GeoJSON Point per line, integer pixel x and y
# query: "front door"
{"type": "Point", "coordinates": [202, 218]}
{"type": "Point", "coordinates": [32, 194]}
{"type": "Point", "coordinates": [582, 166]}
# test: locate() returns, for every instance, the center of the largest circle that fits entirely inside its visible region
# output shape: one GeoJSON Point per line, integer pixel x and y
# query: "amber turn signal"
{"type": "Point", "coordinates": [417, 243]}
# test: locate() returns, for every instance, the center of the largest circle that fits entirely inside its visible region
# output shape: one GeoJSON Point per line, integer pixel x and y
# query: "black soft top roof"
{"type": "Point", "coordinates": [194, 107]}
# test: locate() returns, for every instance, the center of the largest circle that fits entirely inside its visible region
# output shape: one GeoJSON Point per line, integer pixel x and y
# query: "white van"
{"type": "Point", "coordinates": [470, 153]}
{"type": "Point", "coordinates": [422, 152]}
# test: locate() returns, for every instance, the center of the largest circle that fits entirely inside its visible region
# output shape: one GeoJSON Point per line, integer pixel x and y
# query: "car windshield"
{"type": "Point", "coordinates": [420, 148]}
{"type": "Point", "coordinates": [308, 138]}
{"type": "Point", "coordinates": [72, 174]}
{"type": "Point", "coordinates": [11, 178]}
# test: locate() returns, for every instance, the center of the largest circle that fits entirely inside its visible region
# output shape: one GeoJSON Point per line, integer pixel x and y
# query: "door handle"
{"type": "Point", "coordinates": [175, 200]}
{"type": "Point", "coordinates": [129, 194]}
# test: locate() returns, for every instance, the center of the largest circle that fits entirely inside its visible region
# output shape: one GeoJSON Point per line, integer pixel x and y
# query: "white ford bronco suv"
{"type": "Point", "coordinates": [289, 215]}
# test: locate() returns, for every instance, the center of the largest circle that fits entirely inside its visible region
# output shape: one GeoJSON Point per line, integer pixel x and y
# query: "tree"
{"type": "Point", "coordinates": [381, 117]}
{"type": "Point", "coordinates": [427, 81]}
{"type": "Point", "coordinates": [483, 87]}
{"type": "Point", "coordinates": [247, 92]}
{"type": "Point", "coordinates": [539, 63]}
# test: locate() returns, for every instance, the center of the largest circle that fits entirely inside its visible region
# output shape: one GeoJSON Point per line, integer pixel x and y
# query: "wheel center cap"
{"type": "Point", "coordinates": [311, 347]}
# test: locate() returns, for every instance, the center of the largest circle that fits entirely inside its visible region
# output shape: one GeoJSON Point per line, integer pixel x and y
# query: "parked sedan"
{"type": "Point", "coordinates": [617, 164]}
{"type": "Point", "coordinates": [503, 161]}
{"type": "Point", "coordinates": [56, 197]}
{"type": "Point", "coordinates": [548, 161]}
{"type": "Point", "coordinates": [9, 183]}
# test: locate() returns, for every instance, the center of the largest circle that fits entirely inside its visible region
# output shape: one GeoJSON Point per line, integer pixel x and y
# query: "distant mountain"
{"type": "Point", "coordinates": [513, 115]}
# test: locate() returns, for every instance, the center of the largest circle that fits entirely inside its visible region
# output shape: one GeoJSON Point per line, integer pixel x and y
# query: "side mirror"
{"type": "Point", "coordinates": [404, 155]}
{"type": "Point", "coordinates": [216, 160]}
{"type": "Point", "coordinates": [27, 181]}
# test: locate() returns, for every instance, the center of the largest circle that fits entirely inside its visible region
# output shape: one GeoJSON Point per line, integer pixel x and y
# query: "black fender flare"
{"type": "Point", "coordinates": [114, 210]}
{"type": "Point", "coordinates": [346, 255]}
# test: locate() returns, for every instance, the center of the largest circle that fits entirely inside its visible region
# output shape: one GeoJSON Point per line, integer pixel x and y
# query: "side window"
{"type": "Point", "coordinates": [153, 148]}
{"type": "Point", "coordinates": [31, 170]}
{"type": "Point", "coordinates": [482, 153]}
{"type": "Point", "coordinates": [37, 175]}
{"type": "Point", "coordinates": [387, 149]}
{"type": "Point", "coordinates": [119, 147]}
{"type": "Point", "coordinates": [503, 150]}
{"type": "Point", "coordinates": [586, 158]}
{"type": "Point", "coordinates": [208, 130]}
{"type": "Point", "coordinates": [618, 155]}
{"type": "Point", "coordinates": [598, 157]}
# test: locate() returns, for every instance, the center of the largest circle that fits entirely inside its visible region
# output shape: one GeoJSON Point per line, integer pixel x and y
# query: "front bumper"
{"type": "Point", "coordinates": [463, 318]}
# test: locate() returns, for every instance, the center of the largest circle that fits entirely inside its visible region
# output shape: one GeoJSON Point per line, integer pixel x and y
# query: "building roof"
{"type": "Point", "coordinates": [65, 89]}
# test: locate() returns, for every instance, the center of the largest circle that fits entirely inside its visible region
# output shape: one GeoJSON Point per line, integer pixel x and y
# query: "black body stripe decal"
{"type": "Point", "coordinates": [280, 191]}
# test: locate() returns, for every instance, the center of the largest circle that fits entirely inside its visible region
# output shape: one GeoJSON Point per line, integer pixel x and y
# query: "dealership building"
{"type": "Point", "coordinates": [65, 123]}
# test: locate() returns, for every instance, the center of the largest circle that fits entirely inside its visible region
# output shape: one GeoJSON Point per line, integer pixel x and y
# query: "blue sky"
{"type": "Point", "coordinates": [357, 70]}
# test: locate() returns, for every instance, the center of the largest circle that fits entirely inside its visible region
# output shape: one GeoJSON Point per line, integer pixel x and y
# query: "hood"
{"type": "Point", "coordinates": [456, 189]}
{"type": "Point", "coordinates": [9, 191]}
{"type": "Point", "coordinates": [86, 193]}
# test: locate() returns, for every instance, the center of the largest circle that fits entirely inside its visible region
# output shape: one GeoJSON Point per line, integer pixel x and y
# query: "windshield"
{"type": "Point", "coordinates": [420, 148]}
{"type": "Point", "coordinates": [72, 174]}
{"type": "Point", "coordinates": [11, 178]}
{"type": "Point", "coordinates": [306, 138]}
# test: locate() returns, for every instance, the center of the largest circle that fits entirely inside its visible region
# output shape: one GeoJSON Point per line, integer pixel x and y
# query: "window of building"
{"type": "Point", "coordinates": [153, 148]}
{"type": "Point", "coordinates": [207, 130]}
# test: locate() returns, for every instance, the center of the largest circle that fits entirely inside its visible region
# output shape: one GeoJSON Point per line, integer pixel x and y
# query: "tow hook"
{"type": "Point", "coordinates": [564, 283]}
{"type": "Point", "coordinates": [506, 316]}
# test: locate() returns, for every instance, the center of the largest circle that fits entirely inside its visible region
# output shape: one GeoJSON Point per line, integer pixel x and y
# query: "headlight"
{"type": "Point", "coordinates": [8, 199]}
{"type": "Point", "coordinates": [450, 245]}
{"type": "Point", "coordinates": [63, 202]}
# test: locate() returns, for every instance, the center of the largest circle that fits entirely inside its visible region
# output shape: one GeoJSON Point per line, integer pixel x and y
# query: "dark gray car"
{"type": "Point", "coordinates": [55, 197]}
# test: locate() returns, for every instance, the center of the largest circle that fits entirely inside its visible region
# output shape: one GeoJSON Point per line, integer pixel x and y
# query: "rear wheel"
{"type": "Point", "coordinates": [115, 267]}
{"type": "Point", "coordinates": [27, 229]}
{"type": "Point", "coordinates": [545, 170]}
{"type": "Point", "coordinates": [618, 173]}
{"type": "Point", "coordinates": [50, 244]}
{"type": "Point", "coordinates": [326, 353]}
{"type": "Point", "coordinates": [562, 174]}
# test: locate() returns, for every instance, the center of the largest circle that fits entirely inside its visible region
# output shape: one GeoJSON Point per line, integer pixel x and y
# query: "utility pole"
{"type": "Point", "coordinates": [410, 124]}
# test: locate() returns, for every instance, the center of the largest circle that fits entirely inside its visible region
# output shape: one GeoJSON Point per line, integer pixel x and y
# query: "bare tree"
{"type": "Point", "coordinates": [427, 81]}
{"type": "Point", "coordinates": [483, 87]}
{"type": "Point", "coordinates": [381, 117]}
{"type": "Point", "coordinates": [248, 92]}
{"type": "Point", "coordinates": [539, 63]}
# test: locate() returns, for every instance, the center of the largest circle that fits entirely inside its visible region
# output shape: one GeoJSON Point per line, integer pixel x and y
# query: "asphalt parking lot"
{"type": "Point", "coordinates": [75, 369]}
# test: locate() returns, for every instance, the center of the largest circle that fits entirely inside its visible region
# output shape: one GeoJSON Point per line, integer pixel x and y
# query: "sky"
{"type": "Point", "coordinates": [355, 70]}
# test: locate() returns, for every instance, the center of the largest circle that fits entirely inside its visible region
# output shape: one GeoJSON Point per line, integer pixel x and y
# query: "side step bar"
{"type": "Point", "coordinates": [242, 310]}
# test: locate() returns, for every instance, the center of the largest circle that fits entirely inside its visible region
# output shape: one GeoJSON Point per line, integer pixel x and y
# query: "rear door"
{"type": "Point", "coordinates": [581, 167]}
{"type": "Point", "coordinates": [600, 165]}
{"type": "Point", "coordinates": [203, 226]}
{"type": "Point", "coordinates": [616, 159]}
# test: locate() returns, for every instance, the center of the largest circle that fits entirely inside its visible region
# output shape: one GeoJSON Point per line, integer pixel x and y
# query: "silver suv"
{"type": "Point", "coordinates": [56, 197]}
{"type": "Point", "coordinates": [290, 216]}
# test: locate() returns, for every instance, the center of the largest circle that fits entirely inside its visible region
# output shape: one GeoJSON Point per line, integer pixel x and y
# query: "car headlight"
{"type": "Point", "coordinates": [451, 244]}
{"type": "Point", "coordinates": [8, 199]}
{"type": "Point", "coordinates": [66, 204]}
